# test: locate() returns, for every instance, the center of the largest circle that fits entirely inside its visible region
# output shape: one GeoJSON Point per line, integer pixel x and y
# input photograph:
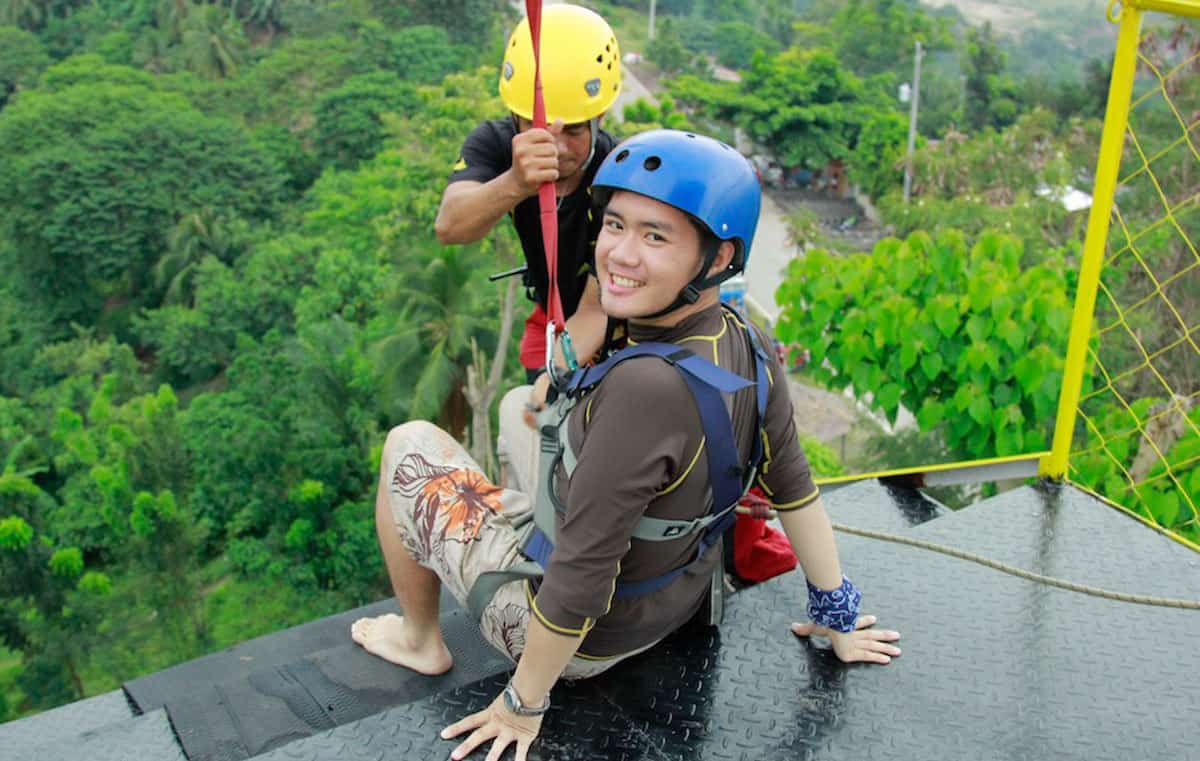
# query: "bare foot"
{"type": "Point", "coordinates": [388, 637]}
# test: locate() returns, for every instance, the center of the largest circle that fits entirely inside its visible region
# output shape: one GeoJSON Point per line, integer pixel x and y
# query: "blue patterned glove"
{"type": "Point", "coordinates": [835, 609]}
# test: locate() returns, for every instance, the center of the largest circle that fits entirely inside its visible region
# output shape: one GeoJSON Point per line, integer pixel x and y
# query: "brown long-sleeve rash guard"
{"type": "Point", "coordinates": [640, 446]}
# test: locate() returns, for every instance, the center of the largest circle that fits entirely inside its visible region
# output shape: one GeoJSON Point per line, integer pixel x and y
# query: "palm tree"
{"type": "Point", "coordinates": [194, 237]}
{"type": "Point", "coordinates": [442, 307]}
{"type": "Point", "coordinates": [213, 42]}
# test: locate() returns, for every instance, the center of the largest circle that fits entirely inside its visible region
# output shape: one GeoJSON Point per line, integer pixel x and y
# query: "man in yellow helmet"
{"type": "Point", "coordinates": [504, 161]}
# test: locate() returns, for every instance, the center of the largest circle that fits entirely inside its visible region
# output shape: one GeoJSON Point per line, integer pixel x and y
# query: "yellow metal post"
{"type": "Point", "coordinates": [1108, 167]}
{"type": "Point", "coordinates": [1175, 7]}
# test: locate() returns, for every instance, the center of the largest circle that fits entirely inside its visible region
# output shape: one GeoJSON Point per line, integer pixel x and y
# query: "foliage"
{"type": "Point", "coordinates": [93, 176]}
{"type": "Point", "coordinates": [802, 106]}
{"type": "Point", "coordinates": [970, 340]}
{"type": "Point", "coordinates": [1114, 438]}
{"type": "Point", "coordinates": [1006, 180]}
{"type": "Point", "coordinates": [991, 94]}
{"type": "Point", "coordinates": [877, 36]}
{"type": "Point", "coordinates": [667, 50]}
{"type": "Point", "coordinates": [642, 116]}
{"type": "Point", "coordinates": [349, 128]}
{"type": "Point", "coordinates": [876, 163]}
{"type": "Point", "coordinates": [22, 59]}
{"type": "Point", "coordinates": [824, 462]}
{"type": "Point", "coordinates": [467, 21]}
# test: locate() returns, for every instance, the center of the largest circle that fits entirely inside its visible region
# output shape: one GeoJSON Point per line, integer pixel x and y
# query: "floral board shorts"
{"type": "Point", "coordinates": [455, 522]}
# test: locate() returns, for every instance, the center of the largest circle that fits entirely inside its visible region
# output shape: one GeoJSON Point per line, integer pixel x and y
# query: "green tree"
{"type": "Point", "coordinates": [991, 94]}
{"type": "Point", "coordinates": [641, 116]}
{"type": "Point", "coordinates": [22, 60]}
{"type": "Point", "coordinates": [878, 36]}
{"type": "Point", "coordinates": [93, 177]}
{"type": "Point", "coordinates": [467, 21]}
{"type": "Point", "coordinates": [1007, 180]}
{"type": "Point", "coordinates": [258, 293]}
{"type": "Point", "coordinates": [425, 54]}
{"type": "Point", "coordinates": [197, 235]}
{"type": "Point", "coordinates": [802, 106]}
{"type": "Point", "coordinates": [739, 41]}
{"type": "Point", "coordinates": [349, 127]}
{"type": "Point", "coordinates": [45, 610]}
{"type": "Point", "coordinates": [970, 340]}
{"type": "Point", "coordinates": [667, 51]}
{"type": "Point", "coordinates": [875, 164]}
{"type": "Point", "coordinates": [212, 42]}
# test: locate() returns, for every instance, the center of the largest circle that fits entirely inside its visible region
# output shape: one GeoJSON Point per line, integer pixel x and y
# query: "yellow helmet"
{"type": "Point", "coordinates": [581, 66]}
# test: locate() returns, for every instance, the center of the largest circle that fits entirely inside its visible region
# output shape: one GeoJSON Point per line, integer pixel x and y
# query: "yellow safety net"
{"type": "Point", "coordinates": [1137, 431]}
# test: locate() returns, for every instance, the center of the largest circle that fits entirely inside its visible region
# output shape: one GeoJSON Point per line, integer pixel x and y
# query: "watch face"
{"type": "Point", "coordinates": [513, 702]}
{"type": "Point", "coordinates": [510, 699]}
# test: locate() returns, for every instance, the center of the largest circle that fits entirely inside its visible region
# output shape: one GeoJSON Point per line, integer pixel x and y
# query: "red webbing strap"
{"type": "Point", "coordinates": [547, 203]}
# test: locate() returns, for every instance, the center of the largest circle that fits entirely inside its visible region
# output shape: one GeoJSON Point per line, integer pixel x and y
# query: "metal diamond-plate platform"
{"type": "Point", "coordinates": [880, 506]}
{"type": "Point", "coordinates": [993, 667]}
{"type": "Point", "coordinates": [19, 739]}
{"type": "Point", "coordinates": [258, 710]}
{"type": "Point", "coordinates": [142, 737]}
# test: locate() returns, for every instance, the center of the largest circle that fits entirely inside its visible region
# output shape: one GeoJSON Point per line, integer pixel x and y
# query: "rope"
{"type": "Point", "coordinates": [547, 203]}
{"type": "Point", "coordinates": [1020, 573]}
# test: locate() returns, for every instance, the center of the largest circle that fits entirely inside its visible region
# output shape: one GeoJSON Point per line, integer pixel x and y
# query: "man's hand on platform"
{"type": "Point", "coordinates": [497, 722]}
{"type": "Point", "coordinates": [862, 644]}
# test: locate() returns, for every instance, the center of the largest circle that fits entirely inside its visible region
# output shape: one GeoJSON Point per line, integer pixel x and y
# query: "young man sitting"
{"type": "Point", "coordinates": [635, 449]}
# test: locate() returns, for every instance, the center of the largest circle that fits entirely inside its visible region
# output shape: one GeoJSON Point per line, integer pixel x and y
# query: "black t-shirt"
{"type": "Point", "coordinates": [487, 154]}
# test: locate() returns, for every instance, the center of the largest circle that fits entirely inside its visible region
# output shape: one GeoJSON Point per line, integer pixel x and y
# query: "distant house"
{"type": "Point", "coordinates": [1071, 198]}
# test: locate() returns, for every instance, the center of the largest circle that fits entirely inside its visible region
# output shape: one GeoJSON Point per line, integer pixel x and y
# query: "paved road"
{"type": "Point", "coordinates": [631, 89]}
{"type": "Point", "coordinates": [769, 257]}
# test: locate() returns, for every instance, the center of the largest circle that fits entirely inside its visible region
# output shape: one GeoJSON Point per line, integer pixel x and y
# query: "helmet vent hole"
{"type": "Point", "coordinates": [607, 48]}
{"type": "Point", "coordinates": [610, 65]}
{"type": "Point", "coordinates": [600, 58]}
{"type": "Point", "coordinates": [652, 163]}
{"type": "Point", "coordinates": [622, 156]}
{"type": "Point", "coordinates": [691, 135]}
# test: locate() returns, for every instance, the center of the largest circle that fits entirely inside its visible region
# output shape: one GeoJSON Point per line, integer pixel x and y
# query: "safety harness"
{"type": "Point", "coordinates": [729, 478]}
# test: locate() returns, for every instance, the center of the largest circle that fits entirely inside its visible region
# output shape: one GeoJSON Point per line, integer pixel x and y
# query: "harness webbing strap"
{"type": "Point", "coordinates": [728, 476]}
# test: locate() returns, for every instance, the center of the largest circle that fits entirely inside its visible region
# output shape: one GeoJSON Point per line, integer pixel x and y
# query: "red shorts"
{"type": "Point", "coordinates": [533, 341]}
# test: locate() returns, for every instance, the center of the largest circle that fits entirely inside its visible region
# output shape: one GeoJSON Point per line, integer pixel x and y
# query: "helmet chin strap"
{"type": "Point", "coordinates": [593, 128]}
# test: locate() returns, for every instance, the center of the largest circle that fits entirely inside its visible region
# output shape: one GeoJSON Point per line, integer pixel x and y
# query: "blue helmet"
{"type": "Point", "coordinates": [695, 174]}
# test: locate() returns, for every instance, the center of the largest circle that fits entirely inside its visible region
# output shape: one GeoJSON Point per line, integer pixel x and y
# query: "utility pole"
{"type": "Point", "coordinates": [651, 31]}
{"type": "Point", "coordinates": [912, 122]}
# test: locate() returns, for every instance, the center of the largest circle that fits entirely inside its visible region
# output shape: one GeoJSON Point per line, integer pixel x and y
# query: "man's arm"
{"type": "Point", "coordinates": [586, 327]}
{"type": "Point", "coordinates": [470, 209]}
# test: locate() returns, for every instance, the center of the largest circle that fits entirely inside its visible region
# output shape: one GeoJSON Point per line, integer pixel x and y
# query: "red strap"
{"type": "Point", "coordinates": [547, 203]}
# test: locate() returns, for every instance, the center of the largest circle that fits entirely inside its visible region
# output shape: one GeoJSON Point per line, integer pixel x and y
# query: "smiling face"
{"type": "Point", "coordinates": [647, 252]}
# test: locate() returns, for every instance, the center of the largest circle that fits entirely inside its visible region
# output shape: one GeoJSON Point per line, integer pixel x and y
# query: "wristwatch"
{"type": "Point", "coordinates": [513, 702]}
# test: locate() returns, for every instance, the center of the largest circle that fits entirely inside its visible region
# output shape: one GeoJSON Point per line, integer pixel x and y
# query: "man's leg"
{"type": "Point", "coordinates": [414, 640]}
{"type": "Point", "coordinates": [517, 444]}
